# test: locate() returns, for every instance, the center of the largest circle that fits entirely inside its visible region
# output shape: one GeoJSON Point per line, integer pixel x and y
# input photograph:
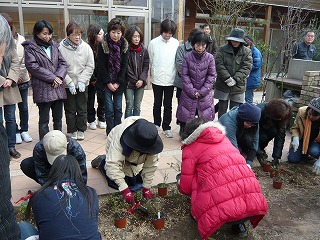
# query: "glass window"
{"type": "Point", "coordinates": [41, 1]}
{"type": "Point", "coordinates": [13, 13]}
{"type": "Point", "coordinates": [86, 17]}
{"type": "Point", "coordinates": [135, 3]}
{"type": "Point", "coordinates": [89, 1]}
{"type": "Point", "coordinates": [53, 16]}
{"type": "Point", "coordinates": [172, 9]}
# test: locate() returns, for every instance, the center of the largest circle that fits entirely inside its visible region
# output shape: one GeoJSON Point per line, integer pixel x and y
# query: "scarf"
{"type": "Point", "coordinates": [68, 42]}
{"type": "Point", "coordinates": [114, 57]}
{"type": "Point", "coordinates": [306, 135]}
{"type": "Point", "coordinates": [135, 48]}
{"type": "Point", "coordinates": [42, 43]}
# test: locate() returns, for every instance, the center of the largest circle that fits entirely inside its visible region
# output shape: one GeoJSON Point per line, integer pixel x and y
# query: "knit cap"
{"type": "Point", "coordinates": [315, 104]}
{"type": "Point", "coordinates": [249, 112]}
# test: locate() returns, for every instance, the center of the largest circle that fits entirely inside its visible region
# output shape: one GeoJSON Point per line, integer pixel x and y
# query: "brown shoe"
{"type": "Point", "coordinates": [14, 153]}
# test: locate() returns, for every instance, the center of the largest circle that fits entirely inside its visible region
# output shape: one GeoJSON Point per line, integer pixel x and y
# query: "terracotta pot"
{"type": "Point", "coordinates": [120, 223]}
{"type": "Point", "coordinates": [162, 191]}
{"type": "Point", "coordinates": [274, 174]}
{"type": "Point", "coordinates": [266, 167]}
{"type": "Point", "coordinates": [277, 185]}
{"type": "Point", "coordinates": [158, 223]}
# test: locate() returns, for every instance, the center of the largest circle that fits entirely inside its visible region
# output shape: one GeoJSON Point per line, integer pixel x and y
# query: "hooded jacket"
{"type": "Point", "coordinates": [198, 74]}
{"type": "Point", "coordinates": [44, 70]}
{"type": "Point", "coordinates": [80, 63]}
{"type": "Point", "coordinates": [254, 78]}
{"type": "Point", "coordinates": [222, 187]}
{"type": "Point", "coordinates": [230, 65]}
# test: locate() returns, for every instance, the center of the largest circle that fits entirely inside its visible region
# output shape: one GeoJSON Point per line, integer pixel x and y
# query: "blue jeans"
{"type": "Point", "coordinates": [23, 111]}
{"type": "Point", "coordinates": [27, 230]}
{"type": "Point", "coordinates": [10, 123]}
{"type": "Point", "coordinates": [133, 101]}
{"type": "Point", "coordinates": [314, 151]}
{"type": "Point", "coordinates": [249, 95]}
{"type": "Point", "coordinates": [113, 105]}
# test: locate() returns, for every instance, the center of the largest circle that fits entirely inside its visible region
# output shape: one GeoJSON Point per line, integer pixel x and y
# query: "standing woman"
{"type": "Point", "coordinates": [23, 84]}
{"type": "Point", "coordinates": [64, 207]}
{"type": "Point", "coordinates": [95, 35]}
{"type": "Point", "coordinates": [137, 73]}
{"type": "Point", "coordinates": [198, 74]}
{"type": "Point", "coordinates": [79, 57]}
{"type": "Point", "coordinates": [48, 69]}
{"type": "Point", "coordinates": [112, 66]}
{"type": "Point", "coordinates": [233, 64]}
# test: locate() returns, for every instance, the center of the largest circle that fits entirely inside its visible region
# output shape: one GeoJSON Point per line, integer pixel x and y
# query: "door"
{"type": "Point", "coordinates": [137, 18]}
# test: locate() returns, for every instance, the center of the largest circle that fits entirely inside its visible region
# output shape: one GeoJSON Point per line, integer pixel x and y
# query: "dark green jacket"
{"type": "Point", "coordinates": [230, 65]}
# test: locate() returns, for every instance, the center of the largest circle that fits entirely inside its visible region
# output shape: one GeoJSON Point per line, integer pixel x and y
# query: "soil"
{"type": "Point", "coordinates": [293, 212]}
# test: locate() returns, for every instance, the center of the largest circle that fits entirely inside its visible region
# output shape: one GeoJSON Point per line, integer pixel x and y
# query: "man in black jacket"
{"type": "Point", "coordinates": [53, 144]}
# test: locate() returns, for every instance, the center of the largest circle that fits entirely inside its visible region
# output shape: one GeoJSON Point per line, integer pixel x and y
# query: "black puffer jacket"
{"type": "Point", "coordinates": [264, 126]}
{"type": "Point", "coordinates": [8, 226]}
{"type": "Point", "coordinates": [42, 166]}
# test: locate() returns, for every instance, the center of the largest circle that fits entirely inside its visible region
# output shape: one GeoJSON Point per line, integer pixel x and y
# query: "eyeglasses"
{"type": "Point", "coordinates": [75, 34]}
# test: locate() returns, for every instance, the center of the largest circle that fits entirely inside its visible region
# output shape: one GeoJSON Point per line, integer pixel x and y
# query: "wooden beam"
{"type": "Point", "coordinates": [268, 18]}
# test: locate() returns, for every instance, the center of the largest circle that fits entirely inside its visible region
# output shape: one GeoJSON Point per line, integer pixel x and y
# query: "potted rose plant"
{"type": "Point", "coordinates": [163, 187]}
{"type": "Point", "coordinates": [277, 182]}
{"type": "Point", "coordinates": [153, 206]}
{"type": "Point", "coordinates": [119, 210]}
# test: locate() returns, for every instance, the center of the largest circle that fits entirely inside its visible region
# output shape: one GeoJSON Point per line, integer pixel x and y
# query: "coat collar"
{"type": "Point", "coordinates": [105, 47]}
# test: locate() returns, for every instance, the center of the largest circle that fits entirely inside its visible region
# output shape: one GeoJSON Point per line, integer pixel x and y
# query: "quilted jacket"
{"type": "Point", "coordinates": [198, 74]}
{"type": "Point", "coordinates": [44, 70]}
{"type": "Point", "coordinates": [222, 187]}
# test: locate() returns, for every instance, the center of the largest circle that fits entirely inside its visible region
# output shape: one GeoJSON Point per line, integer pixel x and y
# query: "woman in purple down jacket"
{"type": "Point", "coordinates": [48, 69]}
{"type": "Point", "coordinates": [198, 74]}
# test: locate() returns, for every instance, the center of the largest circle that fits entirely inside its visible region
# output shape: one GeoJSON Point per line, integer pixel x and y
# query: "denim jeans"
{"type": "Point", "coordinates": [27, 230]}
{"type": "Point", "coordinates": [28, 168]}
{"type": "Point", "coordinates": [23, 111]}
{"type": "Point", "coordinates": [113, 105]}
{"type": "Point", "coordinates": [133, 101]}
{"type": "Point", "coordinates": [44, 114]}
{"type": "Point", "coordinates": [162, 94]}
{"type": "Point", "coordinates": [313, 150]}
{"type": "Point", "coordinates": [10, 123]}
{"type": "Point", "coordinates": [249, 95]}
{"type": "Point", "coordinates": [92, 92]}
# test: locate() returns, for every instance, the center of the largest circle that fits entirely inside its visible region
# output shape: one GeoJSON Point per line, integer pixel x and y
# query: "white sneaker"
{"type": "Point", "coordinates": [168, 133]}
{"type": "Point", "coordinates": [18, 138]}
{"type": "Point", "coordinates": [26, 137]}
{"type": "Point", "coordinates": [80, 135]}
{"type": "Point", "coordinates": [93, 126]}
{"type": "Point", "coordinates": [102, 125]}
{"type": "Point", "coordinates": [74, 136]}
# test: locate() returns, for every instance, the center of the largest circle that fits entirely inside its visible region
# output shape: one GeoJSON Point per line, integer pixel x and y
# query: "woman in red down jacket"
{"type": "Point", "coordinates": [222, 186]}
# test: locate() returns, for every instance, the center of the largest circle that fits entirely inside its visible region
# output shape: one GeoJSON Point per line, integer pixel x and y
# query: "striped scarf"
{"type": "Point", "coordinates": [114, 57]}
{"type": "Point", "coordinates": [68, 42]}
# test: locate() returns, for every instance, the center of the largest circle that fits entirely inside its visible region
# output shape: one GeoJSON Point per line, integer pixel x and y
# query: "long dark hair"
{"type": "Point", "coordinates": [38, 26]}
{"type": "Point", "coordinates": [278, 113]}
{"type": "Point", "coordinates": [92, 32]}
{"type": "Point", "coordinates": [130, 31]}
{"type": "Point", "coordinates": [65, 168]}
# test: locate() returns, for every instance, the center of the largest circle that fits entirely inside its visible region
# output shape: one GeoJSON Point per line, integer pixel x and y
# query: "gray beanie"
{"type": "Point", "coordinates": [315, 104]}
{"type": "Point", "coordinates": [249, 112]}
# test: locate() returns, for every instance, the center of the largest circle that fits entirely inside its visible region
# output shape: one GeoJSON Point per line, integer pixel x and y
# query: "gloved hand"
{"type": "Point", "coordinates": [147, 193]}
{"type": "Point", "coordinates": [72, 88]}
{"type": "Point", "coordinates": [295, 143]}
{"type": "Point", "coordinates": [82, 86]}
{"type": "Point", "coordinates": [230, 82]}
{"type": "Point", "coordinates": [316, 166]}
{"type": "Point", "coordinates": [128, 196]}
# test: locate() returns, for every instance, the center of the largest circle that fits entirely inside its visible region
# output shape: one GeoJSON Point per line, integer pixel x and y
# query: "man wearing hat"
{"type": "Point", "coordinates": [306, 134]}
{"type": "Point", "coordinates": [233, 66]}
{"type": "Point", "coordinates": [132, 157]}
{"type": "Point", "coordinates": [53, 144]}
{"type": "Point", "coordinates": [242, 128]}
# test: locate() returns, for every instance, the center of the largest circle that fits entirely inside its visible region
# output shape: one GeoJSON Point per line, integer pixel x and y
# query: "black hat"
{"type": "Point", "coordinates": [237, 35]}
{"type": "Point", "coordinates": [249, 112]}
{"type": "Point", "coordinates": [143, 137]}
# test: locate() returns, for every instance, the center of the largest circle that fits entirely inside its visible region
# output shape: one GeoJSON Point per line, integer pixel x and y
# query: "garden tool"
{"type": "Point", "coordinates": [139, 207]}
{"type": "Point", "coordinates": [25, 198]}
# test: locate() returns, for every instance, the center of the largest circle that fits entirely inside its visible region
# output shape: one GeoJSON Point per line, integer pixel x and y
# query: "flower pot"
{"type": "Point", "coordinates": [266, 167]}
{"type": "Point", "coordinates": [277, 185]}
{"type": "Point", "coordinates": [120, 223]}
{"type": "Point", "coordinates": [158, 223]}
{"type": "Point", "coordinates": [162, 191]}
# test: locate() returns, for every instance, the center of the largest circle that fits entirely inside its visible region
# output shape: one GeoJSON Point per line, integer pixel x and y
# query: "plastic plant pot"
{"type": "Point", "coordinates": [120, 223]}
{"type": "Point", "coordinates": [158, 223]}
